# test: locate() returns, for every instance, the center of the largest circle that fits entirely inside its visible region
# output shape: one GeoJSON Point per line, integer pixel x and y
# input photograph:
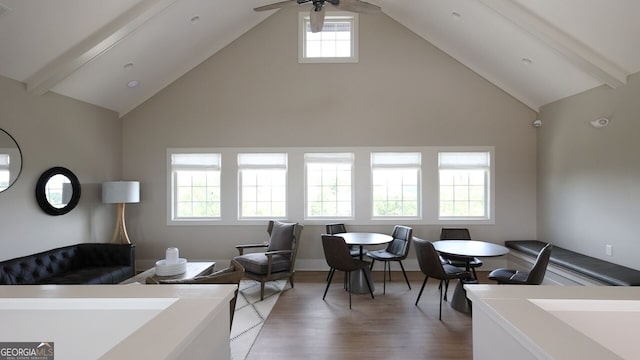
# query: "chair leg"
{"type": "Point", "coordinates": [384, 276]}
{"type": "Point", "coordinates": [328, 283]}
{"type": "Point", "coordinates": [262, 290]}
{"type": "Point", "coordinates": [291, 280]}
{"type": "Point", "coordinates": [475, 276]}
{"type": "Point", "coordinates": [440, 314]}
{"type": "Point", "coordinates": [446, 288]}
{"type": "Point", "coordinates": [371, 266]}
{"type": "Point", "coordinates": [422, 288]}
{"type": "Point", "coordinates": [349, 281]}
{"type": "Point", "coordinates": [405, 275]}
{"type": "Point", "coordinates": [329, 273]}
{"type": "Point", "coordinates": [366, 278]}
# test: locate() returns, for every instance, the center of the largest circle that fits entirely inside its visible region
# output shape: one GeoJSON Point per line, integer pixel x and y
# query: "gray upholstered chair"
{"type": "Point", "coordinates": [459, 261]}
{"type": "Point", "coordinates": [230, 275]}
{"type": "Point", "coordinates": [396, 250]}
{"type": "Point", "coordinates": [336, 252]}
{"type": "Point", "coordinates": [278, 259]}
{"type": "Point", "coordinates": [535, 276]}
{"type": "Point", "coordinates": [431, 266]}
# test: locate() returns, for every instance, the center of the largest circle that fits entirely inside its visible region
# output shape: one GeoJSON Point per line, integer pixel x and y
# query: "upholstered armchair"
{"type": "Point", "coordinates": [278, 258]}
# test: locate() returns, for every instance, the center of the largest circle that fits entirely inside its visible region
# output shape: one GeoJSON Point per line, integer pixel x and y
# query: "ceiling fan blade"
{"type": "Point", "coordinates": [358, 6]}
{"type": "Point", "coordinates": [278, 5]}
{"type": "Point", "coordinates": [316, 18]}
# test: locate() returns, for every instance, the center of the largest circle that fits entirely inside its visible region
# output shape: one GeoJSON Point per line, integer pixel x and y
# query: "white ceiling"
{"type": "Point", "coordinates": [79, 48]}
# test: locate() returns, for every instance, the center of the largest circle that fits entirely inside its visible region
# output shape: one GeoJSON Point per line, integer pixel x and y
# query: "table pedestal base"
{"type": "Point", "coordinates": [459, 299]}
{"type": "Point", "coordinates": [358, 282]}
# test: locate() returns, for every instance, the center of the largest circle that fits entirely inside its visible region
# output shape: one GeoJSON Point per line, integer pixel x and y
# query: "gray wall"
{"type": "Point", "coordinates": [253, 93]}
{"type": "Point", "coordinates": [588, 189]}
{"type": "Point", "coordinates": [53, 130]}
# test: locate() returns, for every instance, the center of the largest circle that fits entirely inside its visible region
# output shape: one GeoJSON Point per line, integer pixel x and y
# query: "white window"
{"type": "Point", "coordinates": [396, 184]}
{"type": "Point", "coordinates": [337, 42]}
{"type": "Point", "coordinates": [5, 171]}
{"type": "Point", "coordinates": [195, 186]}
{"type": "Point", "coordinates": [329, 185]}
{"type": "Point", "coordinates": [464, 184]}
{"type": "Point", "coordinates": [263, 185]}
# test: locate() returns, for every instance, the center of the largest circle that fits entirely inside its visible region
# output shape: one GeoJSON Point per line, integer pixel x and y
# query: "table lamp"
{"type": "Point", "coordinates": [120, 193]}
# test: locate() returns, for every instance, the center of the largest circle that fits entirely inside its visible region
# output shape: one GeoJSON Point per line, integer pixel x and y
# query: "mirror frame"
{"type": "Point", "coordinates": [41, 191]}
{"type": "Point", "coordinates": [21, 160]}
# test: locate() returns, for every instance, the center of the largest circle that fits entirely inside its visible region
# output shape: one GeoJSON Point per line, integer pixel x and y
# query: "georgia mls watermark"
{"type": "Point", "coordinates": [26, 350]}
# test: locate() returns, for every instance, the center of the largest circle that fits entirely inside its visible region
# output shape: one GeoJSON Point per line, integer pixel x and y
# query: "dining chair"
{"type": "Point", "coordinates": [277, 260]}
{"type": "Point", "coordinates": [535, 276]}
{"type": "Point", "coordinates": [230, 275]}
{"type": "Point", "coordinates": [396, 250]}
{"type": "Point", "coordinates": [431, 266]}
{"type": "Point", "coordinates": [336, 252]}
{"type": "Point", "coordinates": [338, 228]}
{"type": "Point", "coordinates": [459, 261]}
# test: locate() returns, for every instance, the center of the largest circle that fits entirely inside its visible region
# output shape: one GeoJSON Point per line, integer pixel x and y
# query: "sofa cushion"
{"type": "Point", "coordinates": [601, 270]}
{"type": "Point", "coordinates": [91, 275]}
{"type": "Point", "coordinates": [88, 263]}
{"type": "Point", "coordinates": [33, 269]}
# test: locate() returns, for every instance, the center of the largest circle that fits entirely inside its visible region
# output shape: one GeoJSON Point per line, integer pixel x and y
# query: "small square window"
{"type": "Point", "coordinates": [336, 43]}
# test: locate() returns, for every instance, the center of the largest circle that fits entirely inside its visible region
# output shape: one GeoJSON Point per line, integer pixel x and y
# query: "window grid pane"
{"type": "Point", "coordinates": [329, 191]}
{"type": "Point", "coordinates": [395, 192]}
{"type": "Point", "coordinates": [195, 181]}
{"type": "Point", "coordinates": [462, 193]}
{"type": "Point", "coordinates": [263, 193]}
{"type": "Point", "coordinates": [197, 193]}
{"type": "Point", "coordinates": [334, 41]}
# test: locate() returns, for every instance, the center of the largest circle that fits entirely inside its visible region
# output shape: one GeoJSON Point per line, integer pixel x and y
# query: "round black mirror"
{"type": "Point", "coordinates": [57, 191]}
{"type": "Point", "coordinates": [10, 160]}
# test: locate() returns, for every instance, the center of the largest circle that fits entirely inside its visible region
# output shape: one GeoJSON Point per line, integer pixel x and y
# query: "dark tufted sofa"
{"type": "Point", "coordinates": [86, 263]}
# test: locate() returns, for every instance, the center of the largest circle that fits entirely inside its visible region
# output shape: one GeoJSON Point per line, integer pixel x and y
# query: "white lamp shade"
{"type": "Point", "coordinates": [115, 192]}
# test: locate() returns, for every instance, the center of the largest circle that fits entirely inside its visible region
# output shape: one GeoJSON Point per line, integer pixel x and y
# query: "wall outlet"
{"type": "Point", "coordinates": [608, 249]}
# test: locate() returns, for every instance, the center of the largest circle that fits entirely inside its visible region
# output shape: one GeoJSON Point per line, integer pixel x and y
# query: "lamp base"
{"type": "Point", "coordinates": [120, 235]}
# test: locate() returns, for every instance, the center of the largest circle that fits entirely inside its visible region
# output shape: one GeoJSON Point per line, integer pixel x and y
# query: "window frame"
{"type": "Point", "coordinates": [488, 186]}
{"type": "Point", "coordinates": [398, 166]}
{"type": "Point", "coordinates": [303, 18]}
{"type": "Point", "coordinates": [172, 204]}
{"type": "Point", "coordinates": [361, 191]}
{"type": "Point", "coordinates": [326, 158]}
{"type": "Point", "coordinates": [283, 166]}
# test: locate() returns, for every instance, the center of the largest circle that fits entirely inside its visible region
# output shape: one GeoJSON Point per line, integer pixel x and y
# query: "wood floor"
{"type": "Point", "coordinates": [303, 326]}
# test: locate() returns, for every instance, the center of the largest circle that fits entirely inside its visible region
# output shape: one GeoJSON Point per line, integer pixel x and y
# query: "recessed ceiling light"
{"type": "Point", "coordinates": [133, 84]}
{"type": "Point", "coordinates": [526, 61]}
{"type": "Point", "coordinates": [195, 19]}
{"type": "Point", "coordinates": [128, 66]}
{"type": "Point", "coordinates": [456, 15]}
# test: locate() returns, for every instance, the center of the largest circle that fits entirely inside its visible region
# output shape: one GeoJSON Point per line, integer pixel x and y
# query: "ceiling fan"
{"type": "Point", "coordinates": [318, 9]}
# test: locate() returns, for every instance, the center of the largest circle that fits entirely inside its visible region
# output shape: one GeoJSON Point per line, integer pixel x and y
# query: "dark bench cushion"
{"type": "Point", "coordinates": [601, 270]}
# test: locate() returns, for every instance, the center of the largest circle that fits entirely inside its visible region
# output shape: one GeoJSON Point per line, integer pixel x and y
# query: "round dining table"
{"type": "Point", "coordinates": [362, 239]}
{"type": "Point", "coordinates": [468, 249]}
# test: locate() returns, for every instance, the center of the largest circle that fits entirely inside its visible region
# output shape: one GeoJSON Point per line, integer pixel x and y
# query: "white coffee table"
{"type": "Point", "coordinates": [194, 269]}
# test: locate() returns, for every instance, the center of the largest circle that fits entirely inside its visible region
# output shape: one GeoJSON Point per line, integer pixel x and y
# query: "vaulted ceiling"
{"type": "Point", "coordinates": [539, 51]}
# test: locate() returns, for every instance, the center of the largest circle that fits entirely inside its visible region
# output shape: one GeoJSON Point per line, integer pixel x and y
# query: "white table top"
{"type": "Point", "coordinates": [360, 238]}
{"type": "Point", "coordinates": [470, 248]}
